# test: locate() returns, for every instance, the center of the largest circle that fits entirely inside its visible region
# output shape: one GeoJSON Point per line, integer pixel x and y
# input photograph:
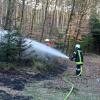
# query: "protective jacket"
{"type": "Point", "coordinates": [78, 56]}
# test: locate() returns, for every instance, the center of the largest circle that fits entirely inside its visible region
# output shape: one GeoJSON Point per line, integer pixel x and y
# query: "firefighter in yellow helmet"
{"type": "Point", "coordinates": [78, 58]}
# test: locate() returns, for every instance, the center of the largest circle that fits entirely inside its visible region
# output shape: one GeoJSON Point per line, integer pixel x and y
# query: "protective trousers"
{"type": "Point", "coordinates": [78, 70]}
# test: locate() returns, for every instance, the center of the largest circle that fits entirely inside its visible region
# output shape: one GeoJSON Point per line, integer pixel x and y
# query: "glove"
{"type": "Point", "coordinates": [71, 59]}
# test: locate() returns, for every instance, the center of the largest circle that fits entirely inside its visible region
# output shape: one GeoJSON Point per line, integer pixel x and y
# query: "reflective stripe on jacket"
{"type": "Point", "coordinates": [78, 55]}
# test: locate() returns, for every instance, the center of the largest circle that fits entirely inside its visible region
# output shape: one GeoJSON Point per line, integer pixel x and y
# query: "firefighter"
{"type": "Point", "coordinates": [78, 58]}
{"type": "Point", "coordinates": [47, 42]}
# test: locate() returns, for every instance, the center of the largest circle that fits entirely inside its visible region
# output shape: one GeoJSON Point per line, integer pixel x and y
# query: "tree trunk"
{"type": "Point", "coordinates": [69, 20]}
{"type": "Point", "coordinates": [46, 10]}
{"type": "Point", "coordinates": [9, 15]}
{"type": "Point", "coordinates": [33, 16]}
{"type": "Point", "coordinates": [52, 19]}
{"type": "Point", "coordinates": [79, 26]}
{"type": "Point", "coordinates": [22, 16]}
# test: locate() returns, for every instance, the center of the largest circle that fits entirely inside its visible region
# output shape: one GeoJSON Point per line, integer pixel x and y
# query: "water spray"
{"type": "Point", "coordinates": [40, 49]}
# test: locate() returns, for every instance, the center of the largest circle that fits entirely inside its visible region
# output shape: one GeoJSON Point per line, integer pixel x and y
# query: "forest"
{"type": "Point", "coordinates": [62, 21]}
{"type": "Point", "coordinates": [37, 40]}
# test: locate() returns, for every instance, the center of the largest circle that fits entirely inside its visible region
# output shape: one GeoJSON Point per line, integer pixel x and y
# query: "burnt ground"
{"type": "Point", "coordinates": [87, 86]}
{"type": "Point", "coordinates": [12, 82]}
{"type": "Point", "coordinates": [12, 85]}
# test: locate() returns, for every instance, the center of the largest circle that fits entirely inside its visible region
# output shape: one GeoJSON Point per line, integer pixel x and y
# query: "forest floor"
{"type": "Point", "coordinates": [88, 84]}
{"type": "Point", "coordinates": [28, 86]}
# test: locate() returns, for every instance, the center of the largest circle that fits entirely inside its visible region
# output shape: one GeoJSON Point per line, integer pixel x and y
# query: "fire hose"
{"type": "Point", "coordinates": [72, 86]}
{"type": "Point", "coordinates": [71, 90]}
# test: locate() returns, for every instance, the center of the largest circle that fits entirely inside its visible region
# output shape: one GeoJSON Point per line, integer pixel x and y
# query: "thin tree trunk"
{"type": "Point", "coordinates": [33, 16]}
{"type": "Point", "coordinates": [62, 24]}
{"type": "Point", "coordinates": [9, 15]}
{"type": "Point", "coordinates": [68, 42]}
{"type": "Point", "coordinates": [70, 18]}
{"type": "Point", "coordinates": [72, 45]}
{"type": "Point", "coordinates": [1, 17]}
{"type": "Point", "coordinates": [15, 17]}
{"type": "Point", "coordinates": [79, 26]}
{"type": "Point", "coordinates": [20, 30]}
{"type": "Point", "coordinates": [22, 15]}
{"type": "Point", "coordinates": [53, 19]}
{"type": "Point", "coordinates": [46, 10]}
{"type": "Point", "coordinates": [57, 22]}
{"type": "Point", "coordinates": [60, 16]}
